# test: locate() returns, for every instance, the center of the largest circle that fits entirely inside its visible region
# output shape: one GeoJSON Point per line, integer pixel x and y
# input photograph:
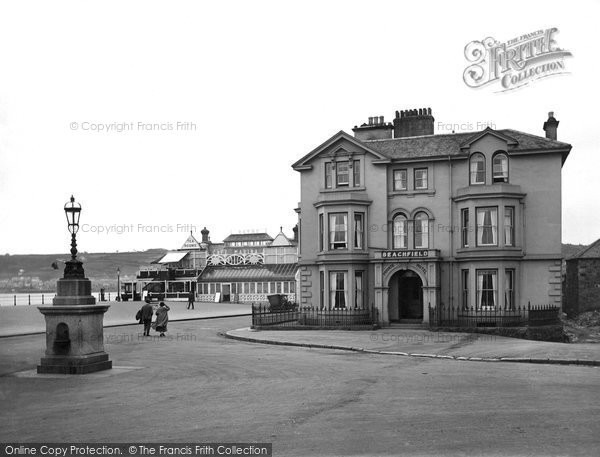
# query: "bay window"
{"type": "Point", "coordinates": [509, 288]}
{"type": "Point", "coordinates": [464, 227]}
{"type": "Point", "coordinates": [338, 231]}
{"type": "Point", "coordinates": [487, 226]}
{"type": "Point", "coordinates": [342, 174]}
{"type": "Point", "coordinates": [358, 290]}
{"type": "Point", "coordinates": [338, 293]}
{"type": "Point", "coordinates": [356, 172]}
{"type": "Point", "coordinates": [487, 289]}
{"type": "Point", "coordinates": [509, 226]}
{"type": "Point", "coordinates": [328, 175]}
{"type": "Point", "coordinates": [358, 230]}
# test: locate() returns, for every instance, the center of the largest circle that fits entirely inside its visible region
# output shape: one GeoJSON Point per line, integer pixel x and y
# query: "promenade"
{"type": "Point", "coordinates": [24, 320]}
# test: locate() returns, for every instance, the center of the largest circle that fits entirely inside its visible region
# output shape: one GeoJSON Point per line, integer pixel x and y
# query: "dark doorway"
{"type": "Point", "coordinates": [226, 292]}
{"type": "Point", "coordinates": [405, 296]}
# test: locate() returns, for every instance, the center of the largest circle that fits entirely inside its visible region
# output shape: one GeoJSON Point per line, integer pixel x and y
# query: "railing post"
{"type": "Point", "coordinates": [29, 299]}
{"type": "Point", "coordinates": [15, 300]}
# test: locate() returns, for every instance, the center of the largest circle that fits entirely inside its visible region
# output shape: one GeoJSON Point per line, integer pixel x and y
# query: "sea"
{"type": "Point", "coordinates": [38, 298]}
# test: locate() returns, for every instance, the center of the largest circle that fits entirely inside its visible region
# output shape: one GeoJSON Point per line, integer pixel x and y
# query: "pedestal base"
{"type": "Point", "coordinates": [75, 364]}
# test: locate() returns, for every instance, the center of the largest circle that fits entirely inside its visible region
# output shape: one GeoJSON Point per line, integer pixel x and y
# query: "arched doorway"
{"type": "Point", "coordinates": [405, 296]}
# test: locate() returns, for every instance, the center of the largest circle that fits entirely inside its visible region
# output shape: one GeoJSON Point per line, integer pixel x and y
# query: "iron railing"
{"type": "Point", "coordinates": [263, 317]}
{"type": "Point", "coordinates": [532, 316]}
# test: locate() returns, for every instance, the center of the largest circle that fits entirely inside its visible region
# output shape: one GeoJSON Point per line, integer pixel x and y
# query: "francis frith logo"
{"type": "Point", "coordinates": [516, 62]}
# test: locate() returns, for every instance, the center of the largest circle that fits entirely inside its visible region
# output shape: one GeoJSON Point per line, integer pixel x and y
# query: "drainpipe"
{"type": "Point", "coordinates": [451, 234]}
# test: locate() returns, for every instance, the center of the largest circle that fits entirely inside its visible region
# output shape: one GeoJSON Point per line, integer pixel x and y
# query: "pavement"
{"type": "Point", "coordinates": [423, 343]}
{"type": "Point", "coordinates": [195, 386]}
{"type": "Point", "coordinates": [27, 320]}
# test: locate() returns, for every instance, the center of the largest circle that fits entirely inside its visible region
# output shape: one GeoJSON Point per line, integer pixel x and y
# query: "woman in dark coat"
{"type": "Point", "coordinates": [162, 318]}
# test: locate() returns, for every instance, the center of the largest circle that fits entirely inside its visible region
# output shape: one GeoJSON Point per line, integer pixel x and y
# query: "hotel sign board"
{"type": "Point", "coordinates": [404, 254]}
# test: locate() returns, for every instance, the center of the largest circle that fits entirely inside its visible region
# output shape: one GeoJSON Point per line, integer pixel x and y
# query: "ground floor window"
{"type": "Point", "coordinates": [509, 288]}
{"type": "Point", "coordinates": [322, 289]}
{"type": "Point", "coordinates": [358, 290]}
{"type": "Point", "coordinates": [487, 288]}
{"type": "Point", "coordinates": [465, 288]}
{"type": "Point", "coordinates": [338, 293]}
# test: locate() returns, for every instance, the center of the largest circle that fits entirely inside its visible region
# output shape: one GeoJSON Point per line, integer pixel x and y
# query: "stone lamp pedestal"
{"type": "Point", "coordinates": [74, 327]}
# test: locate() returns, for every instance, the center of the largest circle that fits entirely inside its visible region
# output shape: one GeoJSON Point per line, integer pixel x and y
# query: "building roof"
{"type": "Point", "coordinates": [191, 243]}
{"type": "Point", "coordinates": [452, 144]}
{"type": "Point", "coordinates": [267, 272]}
{"type": "Point", "coordinates": [248, 237]}
{"type": "Point", "coordinates": [282, 240]}
{"type": "Point", "coordinates": [589, 252]}
{"type": "Point", "coordinates": [173, 257]}
{"type": "Point", "coordinates": [438, 145]}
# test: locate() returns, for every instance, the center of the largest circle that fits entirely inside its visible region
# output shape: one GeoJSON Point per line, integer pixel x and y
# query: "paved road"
{"type": "Point", "coordinates": [198, 386]}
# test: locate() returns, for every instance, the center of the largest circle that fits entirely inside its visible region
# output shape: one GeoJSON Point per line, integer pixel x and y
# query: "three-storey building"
{"type": "Point", "coordinates": [400, 219]}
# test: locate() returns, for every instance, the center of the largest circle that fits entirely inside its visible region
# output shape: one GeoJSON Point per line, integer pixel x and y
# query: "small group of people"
{"type": "Point", "coordinates": [162, 318]}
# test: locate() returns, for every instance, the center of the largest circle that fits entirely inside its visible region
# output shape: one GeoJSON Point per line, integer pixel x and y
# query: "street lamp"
{"type": "Point", "coordinates": [73, 267]}
{"type": "Point", "coordinates": [118, 284]}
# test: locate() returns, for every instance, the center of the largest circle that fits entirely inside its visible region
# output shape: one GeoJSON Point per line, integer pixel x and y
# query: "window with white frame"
{"type": "Point", "coordinates": [477, 169]}
{"type": "Point", "coordinates": [321, 234]}
{"type": "Point", "coordinates": [338, 292]}
{"type": "Point", "coordinates": [509, 226]}
{"type": "Point", "coordinates": [421, 231]}
{"type": "Point", "coordinates": [356, 172]}
{"type": "Point", "coordinates": [509, 288]}
{"type": "Point", "coordinates": [359, 230]}
{"type": "Point", "coordinates": [487, 289]}
{"type": "Point", "coordinates": [464, 227]}
{"type": "Point", "coordinates": [338, 230]}
{"type": "Point", "coordinates": [400, 179]}
{"type": "Point", "coordinates": [342, 174]}
{"type": "Point", "coordinates": [465, 289]}
{"type": "Point", "coordinates": [358, 289]}
{"type": "Point", "coordinates": [487, 226]}
{"type": "Point", "coordinates": [420, 178]}
{"type": "Point", "coordinates": [400, 232]}
{"type": "Point", "coordinates": [500, 168]}
{"type": "Point", "coordinates": [328, 175]}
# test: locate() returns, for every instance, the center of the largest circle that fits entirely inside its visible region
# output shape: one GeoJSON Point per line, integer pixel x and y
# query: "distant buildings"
{"type": "Point", "coordinates": [245, 267]}
{"type": "Point", "coordinates": [582, 281]}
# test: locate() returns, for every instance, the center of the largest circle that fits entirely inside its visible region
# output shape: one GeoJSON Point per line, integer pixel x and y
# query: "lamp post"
{"type": "Point", "coordinates": [73, 267]}
{"type": "Point", "coordinates": [118, 284]}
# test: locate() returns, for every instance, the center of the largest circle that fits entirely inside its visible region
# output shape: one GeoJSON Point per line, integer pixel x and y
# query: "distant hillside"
{"type": "Point", "coordinates": [101, 268]}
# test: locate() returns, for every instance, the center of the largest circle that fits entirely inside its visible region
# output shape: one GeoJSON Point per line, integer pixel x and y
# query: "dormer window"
{"type": "Point", "coordinates": [343, 175]}
{"type": "Point", "coordinates": [500, 168]}
{"type": "Point", "coordinates": [477, 169]}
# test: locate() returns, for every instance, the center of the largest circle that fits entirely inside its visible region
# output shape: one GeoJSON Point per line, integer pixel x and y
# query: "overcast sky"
{"type": "Point", "coordinates": [264, 82]}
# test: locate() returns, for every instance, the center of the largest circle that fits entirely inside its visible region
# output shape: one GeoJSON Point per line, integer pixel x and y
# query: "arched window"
{"type": "Point", "coordinates": [421, 231]}
{"type": "Point", "coordinates": [477, 169]}
{"type": "Point", "coordinates": [500, 168]}
{"type": "Point", "coordinates": [400, 240]}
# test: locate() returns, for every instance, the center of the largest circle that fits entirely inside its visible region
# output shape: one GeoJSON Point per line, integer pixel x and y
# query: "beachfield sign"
{"type": "Point", "coordinates": [404, 254]}
{"type": "Point", "coordinates": [516, 62]}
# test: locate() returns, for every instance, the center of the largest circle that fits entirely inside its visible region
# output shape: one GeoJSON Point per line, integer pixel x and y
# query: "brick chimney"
{"type": "Point", "coordinates": [376, 129]}
{"type": "Point", "coordinates": [413, 122]}
{"type": "Point", "coordinates": [205, 238]}
{"type": "Point", "coordinates": [550, 126]}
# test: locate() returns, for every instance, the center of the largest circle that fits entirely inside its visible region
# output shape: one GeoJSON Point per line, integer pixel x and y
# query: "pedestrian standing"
{"type": "Point", "coordinates": [191, 299]}
{"type": "Point", "coordinates": [146, 317]}
{"type": "Point", "coordinates": [162, 318]}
